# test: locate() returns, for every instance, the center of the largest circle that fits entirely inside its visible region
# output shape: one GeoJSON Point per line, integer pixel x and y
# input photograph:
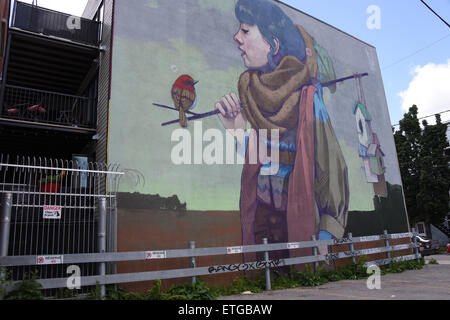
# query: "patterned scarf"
{"type": "Point", "coordinates": [270, 100]}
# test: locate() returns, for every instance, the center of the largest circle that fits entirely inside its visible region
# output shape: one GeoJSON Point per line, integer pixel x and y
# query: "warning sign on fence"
{"type": "Point", "coordinates": [52, 212]}
{"type": "Point", "coordinates": [49, 259]}
{"type": "Point", "coordinates": [293, 245]}
{"type": "Point", "coordinates": [155, 255]}
{"type": "Point", "coordinates": [233, 250]}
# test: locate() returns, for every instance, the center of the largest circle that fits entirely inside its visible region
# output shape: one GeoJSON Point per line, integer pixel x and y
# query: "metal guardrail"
{"type": "Point", "coordinates": [193, 252]}
{"type": "Point", "coordinates": [57, 24]}
{"type": "Point", "coordinates": [48, 107]}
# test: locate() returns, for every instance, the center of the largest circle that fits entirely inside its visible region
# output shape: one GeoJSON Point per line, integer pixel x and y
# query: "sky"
{"type": "Point", "coordinates": [414, 58]}
{"type": "Point", "coordinates": [73, 7]}
{"type": "Point", "coordinates": [413, 45]}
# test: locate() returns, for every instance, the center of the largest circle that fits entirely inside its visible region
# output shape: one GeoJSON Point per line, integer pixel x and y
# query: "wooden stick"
{"type": "Point", "coordinates": [197, 116]}
{"type": "Point", "coordinates": [170, 108]}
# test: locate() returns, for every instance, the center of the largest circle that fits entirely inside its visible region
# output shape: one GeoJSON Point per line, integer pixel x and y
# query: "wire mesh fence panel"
{"type": "Point", "coordinates": [54, 212]}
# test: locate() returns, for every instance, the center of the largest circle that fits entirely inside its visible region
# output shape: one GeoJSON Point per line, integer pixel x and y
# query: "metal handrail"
{"type": "Point", "coordinates": [53, 107]}
{"type": "Point", "coordinates": [47, 92]}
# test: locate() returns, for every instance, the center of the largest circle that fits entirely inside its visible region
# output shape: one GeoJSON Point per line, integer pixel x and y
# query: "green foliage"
{"type": "Point", "coordinates": [188, 291]}
{"type": "Point", "coordinates": [357, 270]}
{"type": "Point", "coordinates": [28, 289]}
{"type": "Point", "coordinates": [4, 281]}
{"type": "Point", "coordinates": [283, 281]}
{"type": "Point", "coordinates": [433, 261]}
{"type": "Point", "coordinates": [407, 142]}
{"type": "Point", "coordinates": [120, 294]}
{"type": "Point", "coordinates": [64, 293]}
{"type": "Point", "coordinates": [96, 293]}
{"type": "Point", "coordinates": [309, 278]}
{"type": "Point", "coordinates": [116, 294]}
{"type": "Point", "coordinates": [433, 198]}
{"type": "Point", "coordinates": [155, 292]}
{"type": "Point", "coordinates": [244, 284]}
{"type": "Point", "coordinates": [424, 167]}
{"type": "Point", "coordinates": [400, 266]}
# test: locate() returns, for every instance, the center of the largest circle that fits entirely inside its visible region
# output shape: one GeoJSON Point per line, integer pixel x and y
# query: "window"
{"type": "Point", "coordinates": [421, 228]}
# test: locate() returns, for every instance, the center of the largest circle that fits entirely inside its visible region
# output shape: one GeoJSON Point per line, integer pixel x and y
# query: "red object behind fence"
{"type": "Point", "coordinates": [50, 187]}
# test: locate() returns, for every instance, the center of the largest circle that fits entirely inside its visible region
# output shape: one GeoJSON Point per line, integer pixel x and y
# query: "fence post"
{"type": "Point", "coordinates": [266, 259]}
{"type": "Point", "coordinates": [193, 263]}
{"type": "Point", "coordinates": [416, 249]}
{"type": "Point", "coordinates": [101, 240]}
{"type": "Point", "coordinates": [315, 252]}
{"type": "Point", "coordinates": [386, 244]}
{"type": "Point", "coordinates": [5, 222]}
{"type": "Point", "coordinates": [352, 247]}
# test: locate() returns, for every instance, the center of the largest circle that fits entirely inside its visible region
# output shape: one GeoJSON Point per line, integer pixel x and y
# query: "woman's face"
{"type": "Point", "coordinates": [253, 46]}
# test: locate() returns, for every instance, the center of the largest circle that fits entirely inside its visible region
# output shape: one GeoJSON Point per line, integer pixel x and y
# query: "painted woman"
{"type": "Point", "coordinates": [281, 90]}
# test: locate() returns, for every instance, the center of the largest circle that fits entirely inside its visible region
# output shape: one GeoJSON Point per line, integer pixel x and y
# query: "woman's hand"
{"type": "Point", "coordinates": [230, 113]}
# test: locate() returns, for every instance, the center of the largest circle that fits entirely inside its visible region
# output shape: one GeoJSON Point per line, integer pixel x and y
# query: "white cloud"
{"type": "Point", "coordinates": [429, 90]}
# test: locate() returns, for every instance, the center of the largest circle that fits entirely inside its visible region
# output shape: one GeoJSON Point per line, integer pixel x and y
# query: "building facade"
{"type": "Point", "coordinates": [238, 117]}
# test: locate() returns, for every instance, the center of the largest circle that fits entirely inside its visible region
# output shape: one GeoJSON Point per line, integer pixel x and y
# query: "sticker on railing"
{"type": "Point", "coordinates": [155, 255]}
{"type": "Point", "coordinates": [374, 250]}
{"type": "Point", "coordinates": [401, 235]}
{"type": "Point", "coordinates": [49, 259]}
{"type": "Point", "coordinates": [369, 238]}
{"type": "Point", "coordinates": [233, 250]}
{"type": "Point", "coordinates": [52, 212]}
{"type": "Point", "coordinates": [293, 245]}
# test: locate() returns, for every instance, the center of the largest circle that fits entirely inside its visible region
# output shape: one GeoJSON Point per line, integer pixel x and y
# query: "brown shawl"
{"type": "Point", "coordinates": [270, 101]}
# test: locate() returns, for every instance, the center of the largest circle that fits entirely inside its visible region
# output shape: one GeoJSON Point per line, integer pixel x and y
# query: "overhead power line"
{"type": "Point", "coordinates": [416, 52]}
{"type": "Point", "coordinates": [448, 25]}
{"type": "Point", "coordinates": [426, 47]}
{"type": "Point", "coordinates": [432, 115]}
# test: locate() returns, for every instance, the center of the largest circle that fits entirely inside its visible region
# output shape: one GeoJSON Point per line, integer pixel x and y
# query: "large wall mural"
{"type": "Point", "coordinates": [252, 108]}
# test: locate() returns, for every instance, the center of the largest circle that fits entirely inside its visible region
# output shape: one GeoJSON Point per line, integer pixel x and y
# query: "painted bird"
{"type": "Point", "coordinates": [184, 96]}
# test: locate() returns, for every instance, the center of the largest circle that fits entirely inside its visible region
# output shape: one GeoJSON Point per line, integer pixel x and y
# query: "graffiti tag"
{"type": "Point", "coordinates": [332, 256]}
{"type": "Point", "coordinates": [341, 241]}
{"type": "Point", "coordinates": [352, 253]}
{"type": "Point", "coordinates": [246, 266]}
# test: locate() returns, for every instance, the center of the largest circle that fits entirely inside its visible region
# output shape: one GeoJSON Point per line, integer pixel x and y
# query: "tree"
{"type": "Point", "coordinates": [407, 141]}
{"type": "Point", "coordinates": [433, 198]}
{"type": "Point", "coordinates": [424, 168]}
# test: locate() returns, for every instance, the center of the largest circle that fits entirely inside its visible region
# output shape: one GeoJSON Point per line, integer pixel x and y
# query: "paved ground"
{"type": "Point", "coordinates": [440, 258]}
{"type": "Point", "coordinates": [430, 283]}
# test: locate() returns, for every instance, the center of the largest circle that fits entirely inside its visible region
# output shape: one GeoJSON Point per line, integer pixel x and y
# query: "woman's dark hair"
{"type": "Point", "coordinates": [272, 22]}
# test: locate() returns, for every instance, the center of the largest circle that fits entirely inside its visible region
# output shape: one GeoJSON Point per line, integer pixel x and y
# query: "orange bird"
{"type": "Point", "coordinates": [184, 96]}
